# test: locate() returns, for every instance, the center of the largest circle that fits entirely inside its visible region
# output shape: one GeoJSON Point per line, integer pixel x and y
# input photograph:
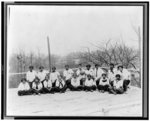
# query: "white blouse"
{"type": "Point", "coordinates": [41, 75]}
{"type": "Point", "coordinates": [104, 81]}
{"type": "Point", "coordinates": [30, 76]}
{"type": "Point", "coordinates": [54, 76]}
{"type": "Point", "coordinates": [47, 84]}
{"type": "Point", "coordinates": [118, 84]}
{"type": "Point", "coordinates": [37, 86]}
{"type": "Point", "coordinates": [23, 86]}
{"type": "Point", "coordinates": [90, 82]}
{"type": "Point", "coordinates": [75, 82]}
{"type": "Point", "coordinates": [68, 74]}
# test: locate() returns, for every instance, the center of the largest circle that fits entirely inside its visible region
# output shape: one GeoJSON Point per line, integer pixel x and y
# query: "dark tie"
{"type": "Point", "coordinates": [112, 71]}
{"type": "Point", "coordinates": [36, 86]}
{"type": "Point", "coordinates": [96, 72]}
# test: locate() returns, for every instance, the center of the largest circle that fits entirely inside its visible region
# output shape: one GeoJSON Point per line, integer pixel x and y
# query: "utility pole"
{"type": "Point", "coordinates": [49, 54]}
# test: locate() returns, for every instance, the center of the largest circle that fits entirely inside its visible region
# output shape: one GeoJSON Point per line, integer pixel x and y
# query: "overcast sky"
{"type": "Point", "coordinates": [70, 28]}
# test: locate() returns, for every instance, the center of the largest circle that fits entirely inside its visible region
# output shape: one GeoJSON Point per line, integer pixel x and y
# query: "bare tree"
{"type": "Point", "coordinates": [112, 53]}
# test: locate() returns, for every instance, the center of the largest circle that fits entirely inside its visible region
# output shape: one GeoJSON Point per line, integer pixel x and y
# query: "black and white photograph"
{"type": "Point", "coordinates": [76, 59]}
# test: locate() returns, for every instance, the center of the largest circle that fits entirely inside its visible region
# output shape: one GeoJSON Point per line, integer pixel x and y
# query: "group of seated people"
{"type": "Point", "coordinates": [115, 80]}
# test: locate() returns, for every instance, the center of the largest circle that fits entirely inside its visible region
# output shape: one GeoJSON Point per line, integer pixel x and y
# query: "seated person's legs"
{"type": "Point", "coordinates": [87, 88]}
{"type": "Point", "coordinates": [30, 92]}
{"type": "Point", "coordinates": [68, 83]}
{"type": "Point", "coordinates": [111, 83]}
{"type": "Point", "coordinates": [54, 88]}
{"type": "Point", "coordinates": [111, 90]}
{"type": "Point", "coordinates": [46, 90]}
{"type": "Point", "coordinates": [97, 82]}
{"type": "Point", "coordinates": [100, 87]}
{"type": "Point", "coordinates": [120, 91]}
{"type": "Point", "coordinates": [64, 88]}
{"type": "Point", "coordinates": [75, 89]}
{"type": "Point", "coordinates": [20, 93]}
{"type": "Point", "coordinates": [27, 92]}
{"type": "Point", "coordinates": [57, 89]}
{"type": "Point", "coordinates": [80, 88]}
{"type": "Point", "coordinates": [71, 87]}
{"type": "Point", "coordinates": [82, 81]}
{"type": "Point", "coordinates": [53, 84]}
{"type": "Point", "coordinates": [35, 91]}
{"type": "Point", "coordinates": [93, 87]}
{"type": "Point", "coordinates": [125, 84]}
{"type": "Point", "coordinates": [41, 91]}
{"type": "Point", "coordinates": [24, 92]}
{"type": "Point", "coordinates": [106, 87]}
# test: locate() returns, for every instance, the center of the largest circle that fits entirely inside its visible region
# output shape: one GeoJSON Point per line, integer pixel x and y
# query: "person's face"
{"type": "Point", "coordinates": [120, 68]}
{"type": "Point", "coordinates": [67, 67]}
{"type": "Point", "coordinates": [41, 69]}
{"type": "Point", "coordinates": [88, 67]}
{"type": "Point", "coordinates": [104, 76]}
{"type": "Point", "coordinates": [118, 78]}
{"type": "Point", "coordinates": [89, 77]}
{"type": "Point", "coordinates": [53, 69]}
{"type": "Point", "coordinates": [80, 67]}
{"type": "Point", "coordinates": [74, 76]}
{"type": "Point", "coordinates": [111, 66]}
{"type": "Point", "coordinates": [31, 69]}
{"type": "Point", "coordinates": [36, 80]}
{"type": "Point", "coordinates": [23, 81]}
{"type": "Point", "coordinates": [46, 78]}
{"type": "Point", "coordinates": [96, 67]}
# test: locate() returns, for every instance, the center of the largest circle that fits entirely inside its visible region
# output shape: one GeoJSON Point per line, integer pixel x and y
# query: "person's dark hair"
{"type": "Point", "coordinates": [47, 76]}
{"type": "Point", "coordinates": [111, 64]}
{"type": "Point", "coordinates": [54, 67]}
{"type": "Point", "coordinates": [88, 65]}
{"type": "Point", "coordinates": [96, 65]}
{"type": "Point", "coordinates": [104, 74]}
{"type": "Point", "coordinates": [41, 67]}
{"type": "Point", "coordinates": [36, 78]}
{"type": "Point", "coordinates": [31, 67]}
{"type": "Point", "coordinates": [66, 65]}
{"type": "Point", "coordinates": [118, 75]}
{"type": "Point", "coordinates": [23, 79]}
{"type": "Point", "coordinates": [80, 64]}
{"type": "Point", "coordinates": [120, 66]}
{"type": "Point", "coordinates": [89, 75]}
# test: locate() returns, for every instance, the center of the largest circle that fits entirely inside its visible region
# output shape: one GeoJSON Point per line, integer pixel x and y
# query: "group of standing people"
{"type": "Point", "coordinates": [115, 80]}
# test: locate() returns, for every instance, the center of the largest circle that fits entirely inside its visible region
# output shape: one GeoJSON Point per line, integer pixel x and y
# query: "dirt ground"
{"type": "Point", "coordinates": [75, 104]}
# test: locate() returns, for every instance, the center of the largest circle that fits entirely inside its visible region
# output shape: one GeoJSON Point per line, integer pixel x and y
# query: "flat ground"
{"type": "Point", "coordinates": [76, 104]}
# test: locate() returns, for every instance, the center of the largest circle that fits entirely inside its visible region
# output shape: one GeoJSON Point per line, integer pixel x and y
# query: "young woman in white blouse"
{"type": "Point", "coordinates": [58, 84]}
{"type": "Point", "coordinates": [103, 83]}
{"type": "Point", "coordinates": [90, 84]}
{"type": "Point", "coordinates": [30, 75]}
{"type": "Point", "coordinates": [68, 76]}
{"type": "Point", "coordinates": [125, 76]}
{"type": "Point", "coordinates": [81, 74]}
{"type": "Point", "coordinates": [41, 74]}
{"type": "Point", "coordinates": [37, 87]}
{"type": "Point", "coordinates": [75, 83]}
{"type": "Point", "coordinates": [111, 73]}
{"type": "Point", "coordinates": [117, 87]}
{"type": "Point", "coordinates": [24, 88]}
{"type": "Point", "coordinates": [47, 85]}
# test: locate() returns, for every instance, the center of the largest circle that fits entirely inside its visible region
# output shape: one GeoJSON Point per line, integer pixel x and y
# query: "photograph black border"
{"type": "Point", "coordinates": [145, 86]}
